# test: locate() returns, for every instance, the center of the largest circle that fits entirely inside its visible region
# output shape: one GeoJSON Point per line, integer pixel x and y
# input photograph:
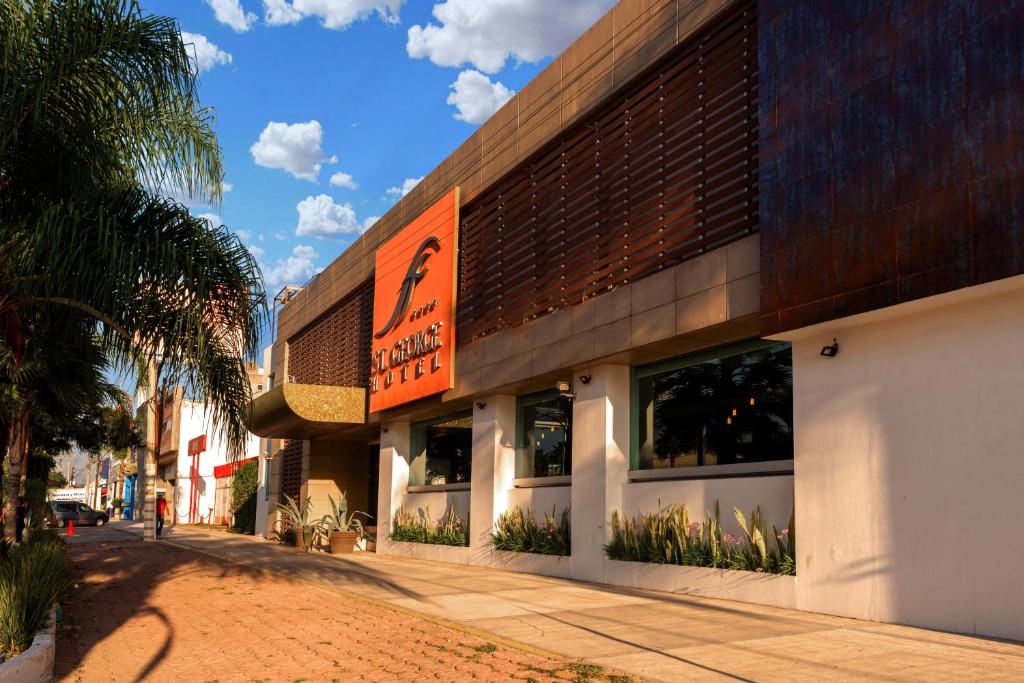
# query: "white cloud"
{"type": "Point", "coordinates": [230, 12]}
{"type": "Point", "coordinates": [406, 187]}
{"type": "Point", "coordinates": [337, 14]}
{"type": "Point", "coordinates": [486, 33]}
{"type": "Point", "coordinates": [213, 219]}
{"type": "Point", "coordinates": [257, 252]}
{"type": "Point", "coordinates": [205, 54]}
{"type": "Point", "coordinates": [320, 217]}
{"type": "Point", "coordinates": [226, 186]}
{"type": "Point", "coordinates": [297, 269]}
{"type": "Point", "coordinates": [280, 236]}
{"type": "Point", "coordinates": [244, 235]}
{"type": "Point", "coordinates": [294, 148]}
{"type": "Point", "coordinates": [476, 97]}
{"type": "Point", "coordinates": [368, 222]}
{"type": "Point", "coordinates": [345, 180]}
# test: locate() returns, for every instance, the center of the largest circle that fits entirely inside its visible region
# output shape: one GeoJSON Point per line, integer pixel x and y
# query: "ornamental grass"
{"type": "Point", "coordinates": [669, 537]}
{"type": "Point", "coordinates": [416, 527]}
{"type": "Point", "coordinates": [33, 576]}
{"type": "Point", "coordinates": [517, 531]}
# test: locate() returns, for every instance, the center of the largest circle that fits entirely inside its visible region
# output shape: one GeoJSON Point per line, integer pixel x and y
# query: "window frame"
{"type": "Point", "coordinates": [522, 403]}
{"type": "Point", "coordinates": [418, 446]}
{"type": "Point", "coordinates": [641, 372]}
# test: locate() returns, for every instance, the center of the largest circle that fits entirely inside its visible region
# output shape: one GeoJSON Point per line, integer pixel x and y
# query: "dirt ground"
{"type": "Point", "coordinates": [157, 612]}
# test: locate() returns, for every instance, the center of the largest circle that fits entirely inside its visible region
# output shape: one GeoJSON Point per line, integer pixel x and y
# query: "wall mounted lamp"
{"type": "Point", "coordinates": [831, 350]}
{"type": "Point", "coordinates": [384, 428]}
{"type": "Point", "coordinates": [481, 405]}
{"type": "Point", "coordinates": [585, 379]}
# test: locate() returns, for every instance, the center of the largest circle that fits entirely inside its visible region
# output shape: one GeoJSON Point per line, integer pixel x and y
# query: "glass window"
{"type": "Point", "coordinates": [543, 436]}
{"type": "Point", "coordinates": [735, 406]}
{"type": "Point", "coordinates": [442, 450]}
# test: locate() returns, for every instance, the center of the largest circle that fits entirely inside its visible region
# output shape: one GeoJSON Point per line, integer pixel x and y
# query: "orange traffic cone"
{"type": "Point", "coordinates": [71, 527]}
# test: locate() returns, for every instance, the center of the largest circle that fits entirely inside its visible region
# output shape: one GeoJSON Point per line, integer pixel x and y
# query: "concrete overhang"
{"type": "Point", "coordinates": [306, 411]}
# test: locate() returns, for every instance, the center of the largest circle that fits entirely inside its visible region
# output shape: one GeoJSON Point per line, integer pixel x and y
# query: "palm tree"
{"type": "Point", "coordinates": [99, 122]}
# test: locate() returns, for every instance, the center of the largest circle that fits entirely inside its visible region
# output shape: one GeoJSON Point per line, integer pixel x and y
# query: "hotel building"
{"type": "Point", "coordinates": [762, 253]}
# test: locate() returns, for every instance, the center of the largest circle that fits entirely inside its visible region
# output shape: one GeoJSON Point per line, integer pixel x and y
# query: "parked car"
{"type": "Point", "coordinates": [79, 513]}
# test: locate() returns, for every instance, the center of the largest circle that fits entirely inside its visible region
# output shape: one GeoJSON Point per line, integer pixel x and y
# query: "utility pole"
{"type": "Point", "coordinates": [150, 458]}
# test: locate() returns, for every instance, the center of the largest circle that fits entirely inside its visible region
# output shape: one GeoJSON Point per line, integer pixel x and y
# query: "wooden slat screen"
{"type": "Point", "coordinates": [664, 171]}
{"type": "Point", "coordinates": [335, 349]}
{"type": "Point", "coordinates": [291, 468]}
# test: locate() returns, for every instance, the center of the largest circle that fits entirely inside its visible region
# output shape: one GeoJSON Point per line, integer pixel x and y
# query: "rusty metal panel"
{"type": "Point", "coordinates": [664, 170]}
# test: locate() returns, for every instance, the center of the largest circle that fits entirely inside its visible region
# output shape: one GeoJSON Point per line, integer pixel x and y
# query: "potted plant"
{"type": "Point", "coordinates": [344, 529]}
{"type": "Point", "coordinates": [297, 518]}
{"type": "Point", "coordinates": [117, 504]}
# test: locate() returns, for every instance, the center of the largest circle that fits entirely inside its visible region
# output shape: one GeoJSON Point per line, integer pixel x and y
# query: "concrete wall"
{"type": "Point", "coordinates": [909, 463]}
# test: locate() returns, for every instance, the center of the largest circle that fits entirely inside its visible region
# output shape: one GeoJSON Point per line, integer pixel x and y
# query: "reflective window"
{"type": "Point", "coordinates": [442, 450]}
{"type": "Point", "coordinates": [732, 407]}
{"type": "Point", "coordinates": [543, 435]}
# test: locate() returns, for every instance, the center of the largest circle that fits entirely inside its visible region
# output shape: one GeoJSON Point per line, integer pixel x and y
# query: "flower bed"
{"type": "Point", "coordinates": [669, 537]}
{"type": "Point", "coordinates": [416, 527]}
{"type": "Point", "coordinates": [517, 531]}
{"type": "Point", "coordinates": [33, 575]}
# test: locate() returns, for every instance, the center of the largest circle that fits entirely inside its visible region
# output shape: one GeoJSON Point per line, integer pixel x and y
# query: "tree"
{"type": "Point", "coordinates": [99, 121]}
{"type": "Point", "coordinates": [56, 480]}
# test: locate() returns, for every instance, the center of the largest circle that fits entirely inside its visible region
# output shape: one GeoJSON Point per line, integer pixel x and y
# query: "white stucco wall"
{"type": "Point", "coordinates": [910, 463]}
{"type": "Point", "coordinates": [773, 493]}
{"type": "Point", "coordinates": [541, 500]}
{"type": "Point", "coordinates": [196, 421]}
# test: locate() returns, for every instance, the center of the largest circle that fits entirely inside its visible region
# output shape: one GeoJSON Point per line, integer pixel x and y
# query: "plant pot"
{"type": "Point", "coordinates": [303, 537]}
{"type": "Point", "coordinates": [343, 542]}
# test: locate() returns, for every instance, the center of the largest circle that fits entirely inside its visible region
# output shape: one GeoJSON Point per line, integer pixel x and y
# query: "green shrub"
{"type": "Point", "coordinates": [518, 532]}
{"type": "Point", "coordinates": [416, 527]}
{"type": "Point", "coordinates": [33, 576]}
{"type": "Point", "coordinates": [669, 537]}
{"type": "Point", "coordinates": [243, 497]}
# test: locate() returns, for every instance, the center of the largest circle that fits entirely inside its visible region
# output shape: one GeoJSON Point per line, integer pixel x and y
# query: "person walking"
{"type": "Point", "coordinates": [161, 508]}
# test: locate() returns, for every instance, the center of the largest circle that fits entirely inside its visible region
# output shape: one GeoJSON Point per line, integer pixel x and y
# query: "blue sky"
{"type": "Point", "coordinates": [359, 88]}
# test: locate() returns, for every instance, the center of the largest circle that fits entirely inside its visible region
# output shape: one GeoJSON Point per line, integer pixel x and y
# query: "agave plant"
{"type": "Point", "coordinates": [295, 514]}
{"type": "Point", "coordinates": [340, 519]}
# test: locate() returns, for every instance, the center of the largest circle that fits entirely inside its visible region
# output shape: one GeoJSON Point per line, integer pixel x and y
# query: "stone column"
{"type": "Point", "coordinates": [600, 463]}
{"type": "Point", "coordinates": [494, 466]}
{"type": "Point", "coordinates": [394, 477]}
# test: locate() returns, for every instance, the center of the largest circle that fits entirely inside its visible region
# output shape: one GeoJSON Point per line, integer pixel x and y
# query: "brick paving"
{"type": "Point", "coordinates": [157, 612]}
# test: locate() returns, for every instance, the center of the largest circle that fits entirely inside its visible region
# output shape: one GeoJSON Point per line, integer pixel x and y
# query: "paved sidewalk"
{"type": "Point", "coordinates": [158, 612]}
{"type": "Point", "coordinates": [654, 635]}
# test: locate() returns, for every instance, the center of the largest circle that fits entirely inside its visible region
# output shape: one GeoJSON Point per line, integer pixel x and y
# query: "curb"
{"type": "Point", "coordinates": [35, 664]}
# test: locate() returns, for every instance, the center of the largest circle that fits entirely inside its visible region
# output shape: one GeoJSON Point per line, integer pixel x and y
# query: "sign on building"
{"type": "Point", "coordinates": [414, 308]}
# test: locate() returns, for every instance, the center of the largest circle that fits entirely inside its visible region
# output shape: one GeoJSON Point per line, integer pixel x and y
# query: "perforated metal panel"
{"type": "Point", "coordinates": [335, 349]}
{"type": "Point", "coordinates": [664, 171]}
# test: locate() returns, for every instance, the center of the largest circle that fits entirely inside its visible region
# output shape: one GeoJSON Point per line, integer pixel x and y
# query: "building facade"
{"type": "Point", "coordinates": [749, 254]}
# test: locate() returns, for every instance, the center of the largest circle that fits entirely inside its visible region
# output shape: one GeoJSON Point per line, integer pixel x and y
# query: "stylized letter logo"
{"type": "Point", "coordinates": [412, 276]}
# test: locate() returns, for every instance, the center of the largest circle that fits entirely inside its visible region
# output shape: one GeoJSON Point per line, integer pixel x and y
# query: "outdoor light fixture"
{"type": "Point", "coordinates": [830, 351]}
{"type": "Point", "coordinates": [565, 389]}
{"type": "Point", "coordinates": [384, 428]}
{"type": "Point", "coordinates": [585, 379]}
{"type": "Point", "coordinates": [481, 405]}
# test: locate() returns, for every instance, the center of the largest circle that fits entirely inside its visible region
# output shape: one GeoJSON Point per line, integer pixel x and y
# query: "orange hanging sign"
{"type": "Point", "coordinates": [414, 308]}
